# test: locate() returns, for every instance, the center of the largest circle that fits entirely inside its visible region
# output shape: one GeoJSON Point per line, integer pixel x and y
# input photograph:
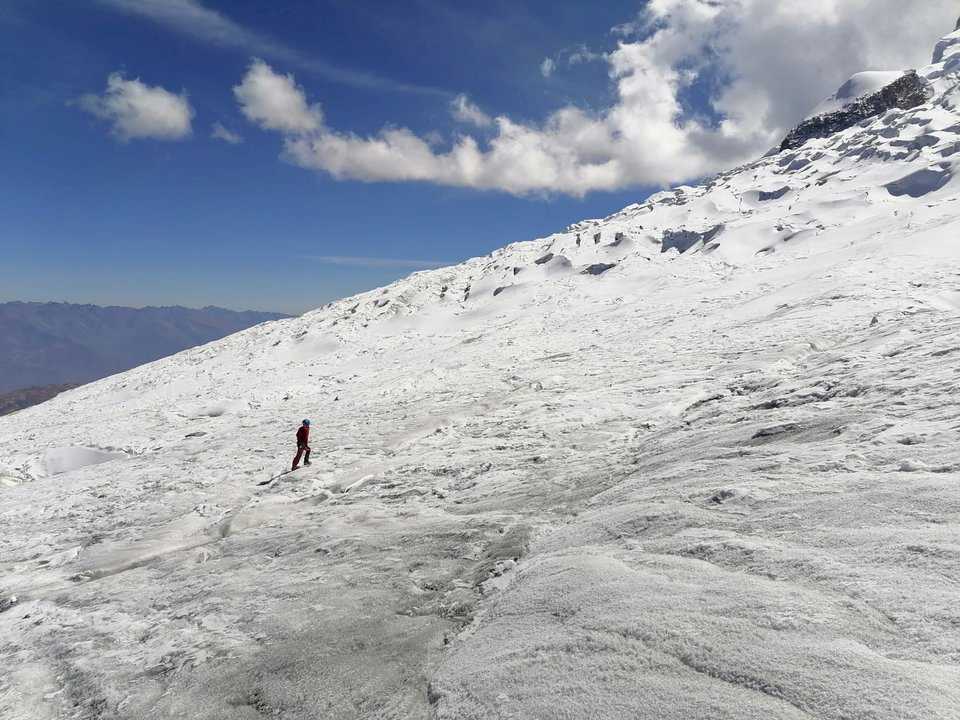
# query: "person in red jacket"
{"type": "Point", "coordinates": [303, 445]}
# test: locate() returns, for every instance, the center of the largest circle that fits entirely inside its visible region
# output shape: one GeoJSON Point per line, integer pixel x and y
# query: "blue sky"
{"type": "Point", "coordinates": [377, 163]}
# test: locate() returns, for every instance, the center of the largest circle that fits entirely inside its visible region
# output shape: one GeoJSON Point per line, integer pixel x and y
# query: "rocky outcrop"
{"type": "Point", "coordinates": [598, 268]}
{"type": "Point", "coordinates": [682, 240]}
{"type": "Point", "coordinates": [908, 92]}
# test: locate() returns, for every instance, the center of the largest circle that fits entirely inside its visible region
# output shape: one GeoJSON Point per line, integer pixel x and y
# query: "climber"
{"type": "Point", "coordinates": [303, 445]}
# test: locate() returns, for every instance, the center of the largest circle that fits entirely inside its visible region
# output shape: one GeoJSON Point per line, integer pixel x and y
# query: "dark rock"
{"type": "Point", "coordinates": [683, 240]}
{"type": "Point", "coordinates": [598, 268]}
{"type": "Point", "coordinates": [544, 260]}
{"type": "Point", "coordinates": [775, 431]}
{"type": "Point", "coordinates": [679, 197]}
{"type": "Point", "coordinates": [908, 92]}
{"type": "Point", "coordinates": [773, 194]}
{"type": "Point", "coordinates": [721, 496]}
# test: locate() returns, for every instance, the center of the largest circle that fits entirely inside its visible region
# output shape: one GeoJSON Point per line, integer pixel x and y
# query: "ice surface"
{"type": "Point", "coordinates": [716, 484]}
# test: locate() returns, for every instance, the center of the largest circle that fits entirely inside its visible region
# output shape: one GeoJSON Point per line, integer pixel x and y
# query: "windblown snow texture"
{"type": "Point", "coordinates": [716, 483]}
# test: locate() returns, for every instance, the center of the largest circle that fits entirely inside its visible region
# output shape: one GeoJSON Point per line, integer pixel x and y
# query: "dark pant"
{"type": "Point", "coordinates": [304, 452]}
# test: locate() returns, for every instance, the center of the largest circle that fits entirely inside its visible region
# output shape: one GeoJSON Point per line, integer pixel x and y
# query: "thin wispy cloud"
{"type": "Point", "coordinates": [576, 55]}
{"type": "Point", "coordinates": [375, 262]}
{"type": "Point", "coordinates": [466, 111]}
{"type": "Point", "coordinates": [219, 132]}
{"type": "Point", "coordinates": [190, 17]}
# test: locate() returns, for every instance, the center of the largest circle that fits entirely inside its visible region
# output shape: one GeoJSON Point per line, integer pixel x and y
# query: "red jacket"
{"type": "Point", "coordinates": [303, 435]}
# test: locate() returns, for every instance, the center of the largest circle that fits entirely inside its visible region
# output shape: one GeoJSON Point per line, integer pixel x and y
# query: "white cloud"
{"type": "Point", "coordinates": [275, 102]}
{"type": "Point", "coordinates": [576, 55]}
{"type": "Point", "coordinates": [192, 18]}
{"type": "Point", "coordinates": [582, 54]}
{"type": "Point", "coordinates": [466, 111]}
{"type": "Point", "coordinates": [219, 132]}
{"type": "Point", "coordinates": [766, 51]}
{"type": "Point", "coordinates": [626, 29]}
{"type": "Point", "coordinates": [136, 110]}
{"type": "Point", "coordinates": [753, 54]}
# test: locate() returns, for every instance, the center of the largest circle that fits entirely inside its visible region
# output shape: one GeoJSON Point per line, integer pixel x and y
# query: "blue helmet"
{"type": "Point", "coordinates": [306, 422]}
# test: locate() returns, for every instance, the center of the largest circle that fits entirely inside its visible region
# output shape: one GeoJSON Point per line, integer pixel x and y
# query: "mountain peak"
{"type": "Point", "coordinates": [907, 91]}
{"type": "Point", "coordinates": [869, 94]}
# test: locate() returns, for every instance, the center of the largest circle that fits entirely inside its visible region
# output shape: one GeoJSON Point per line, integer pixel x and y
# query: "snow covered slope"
{"type": "Point", "coordinates": [697, 459]}
{"type": "Point", "coordinates": [863, 83]}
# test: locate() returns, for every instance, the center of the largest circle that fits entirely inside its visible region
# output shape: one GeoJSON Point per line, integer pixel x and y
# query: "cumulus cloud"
{"type": "Point", "coordinates": [547, 67]}
{"type": "Point", "coordinates": [275, 102]}
{"type": "Point", "coordinates": [136, 110]}
{"type": "Point", "coordinates": [219, 132]}
{"type": "Point", "coordinates": [751, 57]}
{"type": "Point", "coordinates": [764, 49]}
{"type": "Point", "coordinates": [466, 111]}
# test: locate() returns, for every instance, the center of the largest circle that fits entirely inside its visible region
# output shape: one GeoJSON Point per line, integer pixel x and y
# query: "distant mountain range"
{"type": "Point", "coordinates": [44, 344]}
{"type": "Point", "coordinates": [25, 397]}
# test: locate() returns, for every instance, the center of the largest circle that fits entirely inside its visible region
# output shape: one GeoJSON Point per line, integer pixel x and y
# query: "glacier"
{"type": "Point", "coordinates": [697, 459]}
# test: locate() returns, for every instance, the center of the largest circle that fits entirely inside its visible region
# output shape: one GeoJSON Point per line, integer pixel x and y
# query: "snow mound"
{"type": "Point", "coordinates": [215, 409]}
{"type": "Point", "coordinates": [59, 460]}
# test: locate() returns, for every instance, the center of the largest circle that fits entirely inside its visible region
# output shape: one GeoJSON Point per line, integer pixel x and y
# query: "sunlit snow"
{"type": "Point", "coordinates": [578, 478]}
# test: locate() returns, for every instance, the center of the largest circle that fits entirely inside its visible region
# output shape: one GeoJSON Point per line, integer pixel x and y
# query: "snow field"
{"type": "Point", "coordinates": [716, 483]}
